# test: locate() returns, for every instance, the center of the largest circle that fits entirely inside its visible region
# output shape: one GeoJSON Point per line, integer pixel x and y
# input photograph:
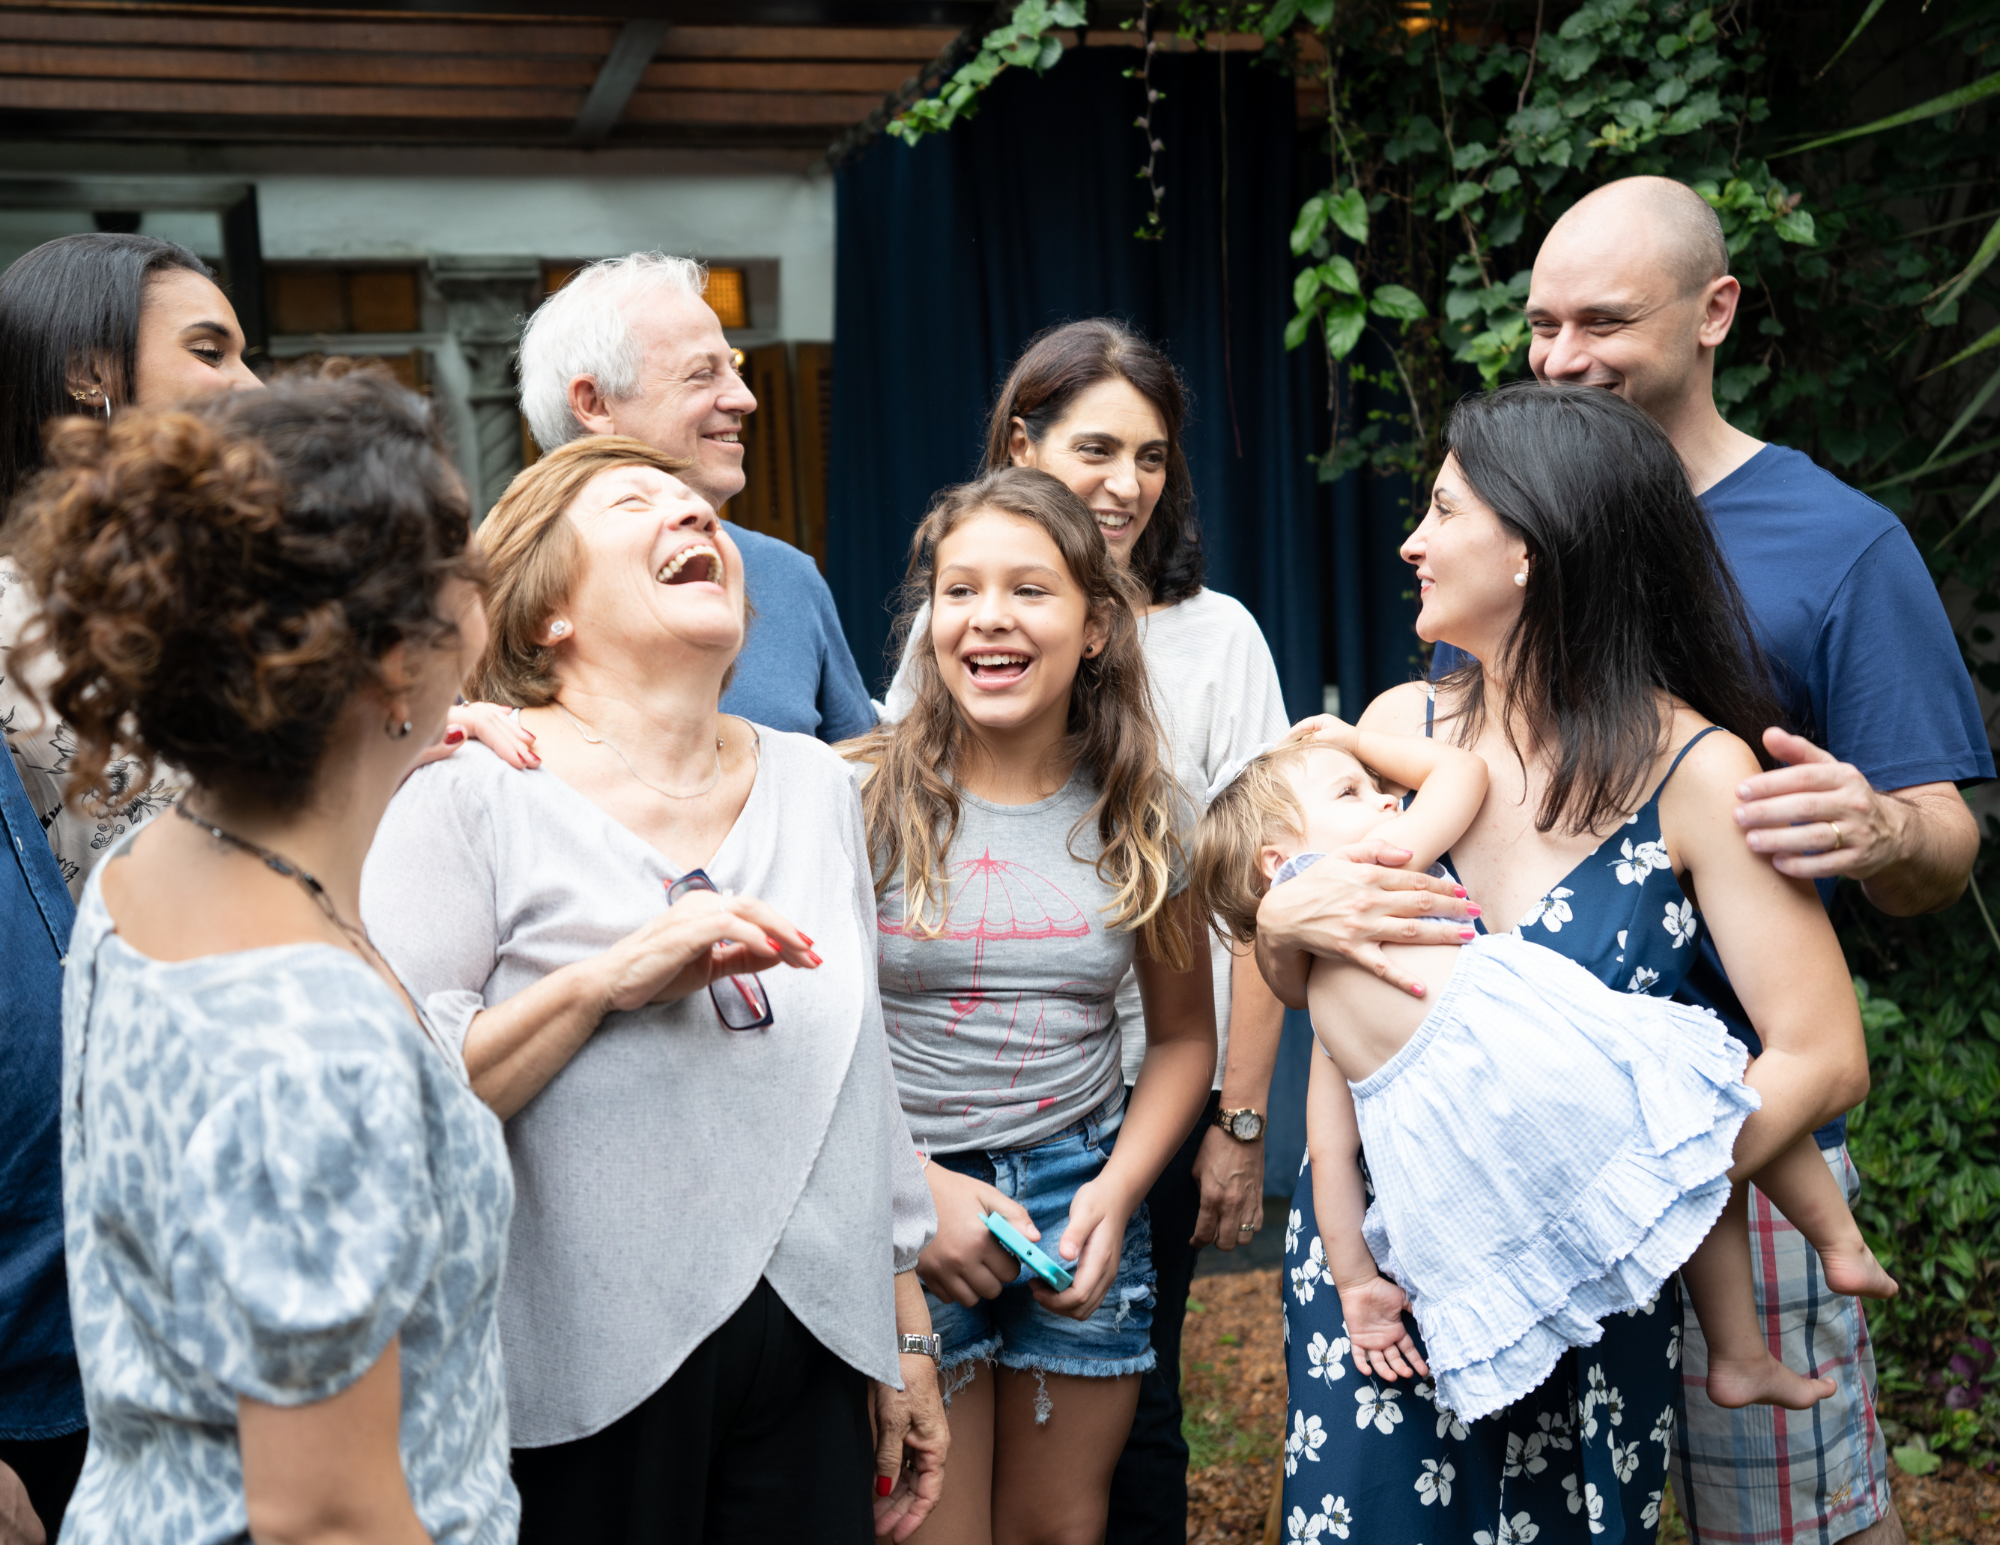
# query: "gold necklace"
{"type": "Point", "coordinates": [592, 738]}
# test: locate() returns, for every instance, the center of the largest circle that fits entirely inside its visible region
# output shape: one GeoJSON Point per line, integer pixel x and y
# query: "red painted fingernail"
{"type": "Point", "coordinates": [806, 937]}
{"type": "Point", "coordinates": [1472, 909]}
{"type": "Point", "coordinates": [815, 958]}
{"type": "Point", "coordinates": [1458, 891]}
{"type": "Point", "coordinates": [884, 1485]}
{"type": "Point", "coordinates": [1468, 933]}
{"type": "Point", "coordinates": [775, 947]}
{"type": "Point", "coordinates": [453, 735]}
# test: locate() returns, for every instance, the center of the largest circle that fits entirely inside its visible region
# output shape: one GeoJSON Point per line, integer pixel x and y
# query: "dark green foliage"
{"type": "Point", "coordinates": [1927, 1142]}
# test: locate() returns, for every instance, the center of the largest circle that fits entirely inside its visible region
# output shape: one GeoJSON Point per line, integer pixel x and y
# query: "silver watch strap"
{"type": "Point", "coordinates": [931, 1346]}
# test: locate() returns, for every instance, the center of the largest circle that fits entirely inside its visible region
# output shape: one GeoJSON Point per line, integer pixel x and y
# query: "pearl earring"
{"type": "Point", "coordinates": [1521, 578]}
{"type": "Point", "coordinates": [558, 629]}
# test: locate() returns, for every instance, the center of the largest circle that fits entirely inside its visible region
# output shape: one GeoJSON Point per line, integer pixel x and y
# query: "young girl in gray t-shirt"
{"type": "Point", "coordinates": [1026, 838]}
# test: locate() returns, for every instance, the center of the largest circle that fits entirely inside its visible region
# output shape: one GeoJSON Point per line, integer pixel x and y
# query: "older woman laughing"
{"type": "Point", "coordinates": [719, 1203]}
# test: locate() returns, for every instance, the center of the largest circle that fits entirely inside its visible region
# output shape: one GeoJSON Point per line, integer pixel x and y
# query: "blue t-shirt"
{"type": "Point", "coordinates": [1862, 654]}
{"type": "Point", "coordinates": [41, 1392]}
{"type": "Point", "coordinates": [795, 672]}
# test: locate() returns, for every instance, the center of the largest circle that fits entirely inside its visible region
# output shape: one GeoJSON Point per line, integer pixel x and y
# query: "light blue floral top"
{"type": "Point", "coordinates": [268, 1172]}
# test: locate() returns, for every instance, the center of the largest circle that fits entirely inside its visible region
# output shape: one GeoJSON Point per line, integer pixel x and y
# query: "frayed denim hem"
{"type": "Point", "coordinates": [1080, 1367]}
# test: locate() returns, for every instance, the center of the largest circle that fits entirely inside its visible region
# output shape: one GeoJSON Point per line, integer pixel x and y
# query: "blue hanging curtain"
{"type": "Point", "coordinates": [952, 254]}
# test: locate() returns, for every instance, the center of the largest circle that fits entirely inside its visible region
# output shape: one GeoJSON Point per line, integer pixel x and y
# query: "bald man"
{"type": "Point", "coordinates": [1632, 292]}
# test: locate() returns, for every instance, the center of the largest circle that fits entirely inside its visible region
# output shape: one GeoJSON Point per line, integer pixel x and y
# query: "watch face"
{"type": "Point", "coordinates": [1246, 1125]}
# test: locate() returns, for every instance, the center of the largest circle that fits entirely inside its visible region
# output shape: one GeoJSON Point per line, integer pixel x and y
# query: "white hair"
{"type": "Point", "coordinates": [583, 330]}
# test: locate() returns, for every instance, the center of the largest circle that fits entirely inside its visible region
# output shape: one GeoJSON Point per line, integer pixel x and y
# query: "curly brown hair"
{"type": "Point", "coordinates": [910, 798]}
{"type": "Point", "coordinates": [218, 580]}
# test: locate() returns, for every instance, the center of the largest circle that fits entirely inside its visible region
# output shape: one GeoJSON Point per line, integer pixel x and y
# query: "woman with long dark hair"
{"type": "Point", "coordinates": [1616, 710]}
{"type": "Point", "coordinates": [1099, 407]}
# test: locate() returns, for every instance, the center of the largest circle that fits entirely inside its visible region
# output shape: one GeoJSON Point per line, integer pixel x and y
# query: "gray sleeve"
{"type": "Point", "coordinates": [902, 696]}
{"type": "Point", "coordinates": [913, 1214]}
{"type": "Point", "coordinates": [428, 894]}
{"type": "Point", "coordinates": [1251, 708]}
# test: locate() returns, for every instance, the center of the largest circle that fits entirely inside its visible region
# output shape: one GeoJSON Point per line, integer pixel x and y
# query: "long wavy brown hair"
{"type": "Point", "coordinates": [910, 798]}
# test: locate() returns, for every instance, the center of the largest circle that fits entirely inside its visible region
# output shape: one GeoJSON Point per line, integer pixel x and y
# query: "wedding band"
{"type": "Point", "coordinates": [1246, 1228]}
{"type": "Point", "coordinates": [1836, 836]}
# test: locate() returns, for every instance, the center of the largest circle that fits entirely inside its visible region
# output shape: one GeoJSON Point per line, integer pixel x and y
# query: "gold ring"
{"type": "Point", "coordinates": [1837, 839]}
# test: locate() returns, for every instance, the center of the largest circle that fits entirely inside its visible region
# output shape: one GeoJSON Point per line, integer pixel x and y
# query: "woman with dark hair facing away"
{"type": "Point", "coordinates": [286, 1212]}
{"type": "Point", "coordinates": [655, 951]}
{"type": "Point", "coordinates": [1025, 834]}
{"type": "Point", "coordinates": [88, 325]}
{"type": "Point", "coordinates": [1612, 723]}
{"type": "Point", "coordinates": [1097, 406]}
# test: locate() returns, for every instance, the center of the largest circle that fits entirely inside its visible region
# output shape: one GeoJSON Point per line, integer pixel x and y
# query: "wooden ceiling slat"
{"type": "Point", "coordinates": [919, 45]}
{"type": "Point", "coordinates": [210, 29]}
{"type": "Point", "coordinates": [279, 65]}
{"type": "Point", "coordinates": [125, 96]}
{"type": "Point", "coordinates": [758, 75]}
{"type": "Point", "coordinates": [745, 107]}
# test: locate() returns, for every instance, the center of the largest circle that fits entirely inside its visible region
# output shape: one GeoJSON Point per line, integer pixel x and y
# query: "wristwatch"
{"type": "Point", "coordinates": [1245, 1125]}
{"type": "Point", "coordinates": [931, 1346]}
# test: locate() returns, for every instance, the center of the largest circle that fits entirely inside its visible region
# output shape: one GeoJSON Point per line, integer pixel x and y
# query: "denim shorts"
{"type": "Point", "coordinates": [1014, 1330]}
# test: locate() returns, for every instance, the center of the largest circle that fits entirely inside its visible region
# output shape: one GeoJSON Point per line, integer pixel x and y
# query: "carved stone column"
{"type": "Point", "coordinates": [486, 301]}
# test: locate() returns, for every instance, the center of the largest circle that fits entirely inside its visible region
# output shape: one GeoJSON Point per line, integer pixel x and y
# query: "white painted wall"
{"type": "Point", "coordinates": [789, 218]}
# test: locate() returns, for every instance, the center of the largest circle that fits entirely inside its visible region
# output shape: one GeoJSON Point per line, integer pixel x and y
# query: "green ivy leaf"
{"type": "Point", "coordinates": [1796, 226]}
{"type": "Point", "coordinates": [1468, 156]}
{"type": "Point", "coordinates": [1912, 1460]}
{"type": "Point", "coordinates": [1349, 211]}
{"type": "Point", "coordinates": [1319, 13]}
{"type": "Point", "coordinates": [1311, 221]}
{"type": "Point", "coordinates": [1398, 303]}
{"type": "Point", "coordinates": [1336, 273]}
{"type": "Point", "coordinates": [1345, 320]}
{"type": "Point", "coordinates": [1297, 328]}
{"type": "Point", "coordinates": [1461, 304]}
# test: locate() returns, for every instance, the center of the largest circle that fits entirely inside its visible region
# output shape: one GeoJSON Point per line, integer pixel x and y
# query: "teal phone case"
{"type": "Point", "coordinates": [1031, 1255]}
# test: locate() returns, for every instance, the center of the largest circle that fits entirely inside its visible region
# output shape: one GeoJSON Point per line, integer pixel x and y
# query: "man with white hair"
{"type": "Point", "coordinates": [1632, 292]}
{"type": "Point", "coordinates": [629, 347]}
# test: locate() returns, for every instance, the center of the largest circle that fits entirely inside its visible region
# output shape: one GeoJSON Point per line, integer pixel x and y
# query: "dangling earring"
{"type": "Point", "coordinates": [1521, 578]}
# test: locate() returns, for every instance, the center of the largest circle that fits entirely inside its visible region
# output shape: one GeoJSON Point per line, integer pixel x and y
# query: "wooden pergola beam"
{"type": "Point", "coordinates": [618, 77]}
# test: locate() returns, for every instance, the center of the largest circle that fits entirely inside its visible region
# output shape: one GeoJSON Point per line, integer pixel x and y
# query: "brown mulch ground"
{"type": "Point", "coordinates": [1233, 1387]}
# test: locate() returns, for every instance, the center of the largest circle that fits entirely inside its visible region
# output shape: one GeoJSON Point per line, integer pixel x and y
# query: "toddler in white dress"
{"type": "Point", "coordinates": [1544, 1150]}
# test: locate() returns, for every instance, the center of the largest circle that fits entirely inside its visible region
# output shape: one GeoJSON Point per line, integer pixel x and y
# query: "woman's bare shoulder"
{"type": "Point", "coordinates": [1399, 711]}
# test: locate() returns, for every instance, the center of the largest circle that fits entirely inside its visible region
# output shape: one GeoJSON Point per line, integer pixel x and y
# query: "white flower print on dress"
{"type": "Point", "coordinates": [1448, 1421]}
{"type": "Point", "coordinates": [1649, 1515]}
{"type": "Point", "coordinates": [1381, 1406]}
{"type": "Point", "coordinates": [1663, 1429]}
{"type": "Point", "coordinates": [1518, 1530]}
{"type": "Point", "coordinates": [1625, 1460]}
{"type": "Point", "coordinates": [1524, 1455]}
{"type": "Point", "coordinates": [1589, 1502]}
{"type": "Point", "coordinates": [1552, 911]}
{"type": "Point", "coordinates": [1674, 1347]}
{"type": "Point", "coordinates": [1638, 861]}
{"type": "Point", "coordinates": [1292, 1231]}
{"type": "Point", "coordinates": [1614, 1407]}
{"type": "Point", "coordinates": [1434, 1485]}
{"type": "Point", "coordinates": [1642, 980]}
{"type": "Point", "coordinates": [1334, 1517]}
{"type": "Point", "coordinates": [1306, 1440]}
{"type": "Point", "coordinates": [1323, 1358]}
{"type": "Point", "coordinates": [1555, 1430]}
{"type": "Point", "coordinates": [1300, 1528]}
{"type": "Point", "coordinates": [1681, 923]}
{"type": "Point", "coordinates": [1307, 1277]}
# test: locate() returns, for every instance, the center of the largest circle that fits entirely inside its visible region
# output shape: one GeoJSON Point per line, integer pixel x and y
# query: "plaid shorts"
{"type": "Point", "coordinates": [1762, 1476]}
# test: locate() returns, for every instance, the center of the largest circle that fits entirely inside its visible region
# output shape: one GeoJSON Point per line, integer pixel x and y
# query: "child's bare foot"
{"type": "Point", "coordinates": [1766, 1382]}
{"type": "Point", "coordinates": [1854, 1271]}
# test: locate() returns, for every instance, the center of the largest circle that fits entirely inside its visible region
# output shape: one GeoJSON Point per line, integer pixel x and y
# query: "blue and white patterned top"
{"type": "Point", "coordinates": [268, 1172]}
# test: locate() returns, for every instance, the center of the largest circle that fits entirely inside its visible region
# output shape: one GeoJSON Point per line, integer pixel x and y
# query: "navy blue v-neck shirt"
{"type": "Point", "coordinates": [1862, 653]}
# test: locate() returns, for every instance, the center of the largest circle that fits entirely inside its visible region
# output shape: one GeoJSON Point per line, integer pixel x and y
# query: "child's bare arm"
{"type": "Point", "coordinates": [1370, 1303]}
{"type": "Point", "coordinates": [1450, 785]}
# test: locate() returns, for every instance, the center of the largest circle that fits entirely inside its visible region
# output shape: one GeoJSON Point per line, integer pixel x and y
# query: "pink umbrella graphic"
{"type": "Point", "coordinates": [992, 899]}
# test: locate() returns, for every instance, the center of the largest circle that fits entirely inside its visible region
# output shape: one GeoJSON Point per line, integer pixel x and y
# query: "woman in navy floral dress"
{"type": "Point", "coordinates": [1563, 544]}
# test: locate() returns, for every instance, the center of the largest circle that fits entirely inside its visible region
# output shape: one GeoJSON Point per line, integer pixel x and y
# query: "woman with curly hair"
{"type": "Point", "coordinates": [286, 1212]}
{"type": "Point", "coordinates": [1025, 836]}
